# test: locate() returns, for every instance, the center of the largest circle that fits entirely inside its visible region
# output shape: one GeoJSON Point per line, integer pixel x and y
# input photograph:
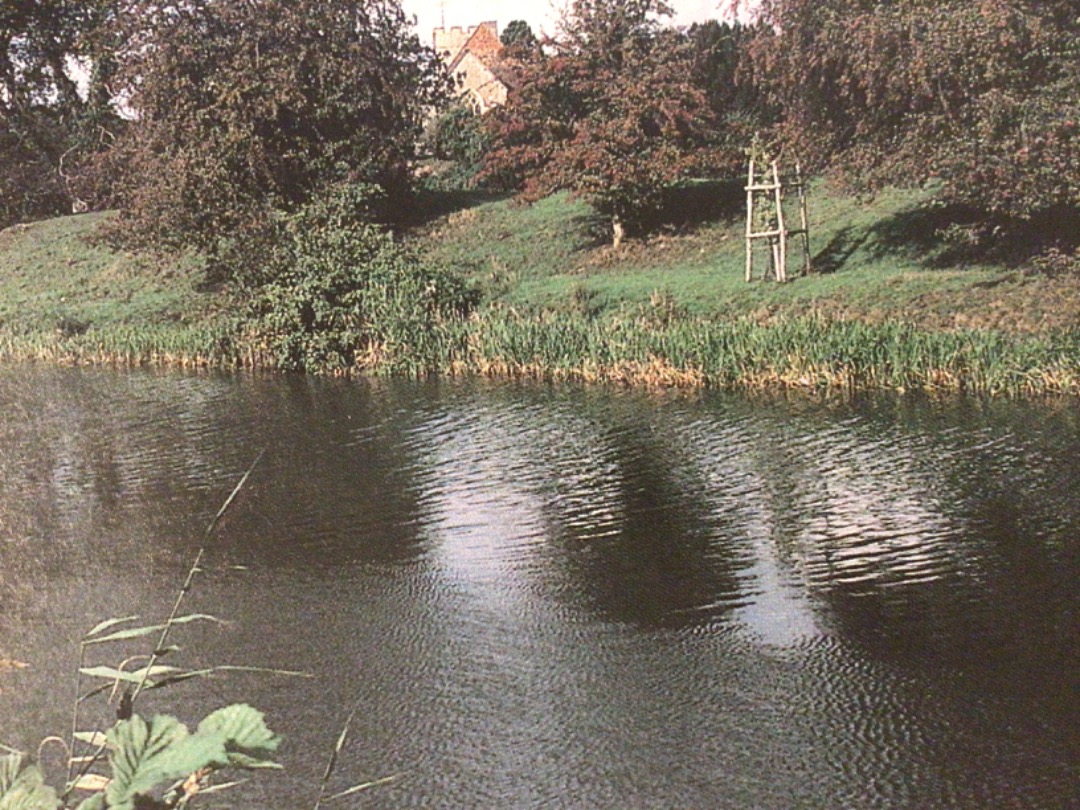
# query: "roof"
{"type": "Point", "coordinates": [483, 42]}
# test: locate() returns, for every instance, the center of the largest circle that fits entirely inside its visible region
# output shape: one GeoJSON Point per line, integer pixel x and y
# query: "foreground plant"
{"type": "Point", "coordinates": [156, 763]}
{"type": "Point", "coordinates": [151, 763]}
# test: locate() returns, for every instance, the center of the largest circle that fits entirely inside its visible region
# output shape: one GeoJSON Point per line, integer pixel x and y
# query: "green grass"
{"type": "Point", "coordinates": [876, 260]}
{"type": "Point", "coordinates": [889, 306]}
{"type": "Point", "coordinates": [806, 352]}
{"type": "Point", "coordinates": [65, 298]}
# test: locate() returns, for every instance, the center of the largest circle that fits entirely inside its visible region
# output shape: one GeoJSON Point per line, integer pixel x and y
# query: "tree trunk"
{"type": "Point", "coordinates": [618, 231]}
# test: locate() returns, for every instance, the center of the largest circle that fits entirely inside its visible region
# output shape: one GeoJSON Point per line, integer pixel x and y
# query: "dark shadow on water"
{"type": "Point", "coordinates": [654, 557]}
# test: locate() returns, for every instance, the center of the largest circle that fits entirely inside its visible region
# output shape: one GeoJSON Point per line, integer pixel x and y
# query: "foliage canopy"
{"type": "Point", "coordinates": [46, 123]}
{"type": "Point", "coordinates": [983, 95]}
{"type": "Point", "coordinates": [249, 107]}
{"type": "Point", "coordinates": [607, 111]}
{"type": "Point", "coordinates": [335, 292]}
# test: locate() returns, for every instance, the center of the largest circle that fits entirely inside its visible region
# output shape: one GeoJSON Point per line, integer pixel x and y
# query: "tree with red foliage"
{"type": "Point", "coordinates": [984, 96]}
{"type": "Point", "coordinates": [607, 110]}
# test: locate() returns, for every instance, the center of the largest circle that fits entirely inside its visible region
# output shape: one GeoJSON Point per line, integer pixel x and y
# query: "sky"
{"type": "Point", "coordinates": [538, 13]}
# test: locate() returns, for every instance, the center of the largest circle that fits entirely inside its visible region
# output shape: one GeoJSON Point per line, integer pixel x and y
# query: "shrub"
{"type": "Point", "coordinates": [331, 291]}
{"type": "Point", "coordinates": [244, 110]}
{"type": "Point", "coordinates": [458, 134]}
{"type": "Point", "coordinates": [608, 111]}
{"type": "Point", "coordinates": [980, 97]}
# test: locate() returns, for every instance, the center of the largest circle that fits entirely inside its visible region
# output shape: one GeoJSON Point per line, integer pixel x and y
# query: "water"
{"type": "Point", "coordinates": [578, 598]}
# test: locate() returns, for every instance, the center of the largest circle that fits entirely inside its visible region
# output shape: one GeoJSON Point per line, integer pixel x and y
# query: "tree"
{"type": "Point", "coordinates": [518, 36]}
{"type": "Point", "coordinates": [247, 109]}
{"type": "Point", "coordinates": [719, 70]}
{"type": "Point", "coordinates": [46, 124]}
{"type": "Point", "coordinates": [458, 134]}
{"type": "Point", "coordinates": [610, 113]}
{"type": "Point", "coordinates": [983, 95]}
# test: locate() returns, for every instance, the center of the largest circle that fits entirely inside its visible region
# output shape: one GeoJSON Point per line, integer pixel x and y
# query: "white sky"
{"type": "Point", "coordinates": [538, 13]}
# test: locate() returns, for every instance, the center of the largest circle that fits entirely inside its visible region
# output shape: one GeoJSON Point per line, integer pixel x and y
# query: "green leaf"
{"type": "Point", "coordinates": [245, 735]}
{"type": "Point", "coordinates": [364, 786]}
{"type": "Point", "coordinates": [95, 802]}
{"type": "Point", "coordinates": [95, 738]}
{"type": "Point", "coordinates": [139, 632]}
{"type": "Point", "coordinates": [181, 676]}
{"type": "Point", "coordinates": [9, 770]}
{"type": "Point", "coordinates": [239, 760]}
{"type": "Point", "coordinates": [24, 788]}
{"type": "Point", "coordinates": [134, 676]}
{"type": "Point", "coordinates": [145, 756]}
{"type": "Point", "coordinates": [141, 757]}
{"type": "Point", "coordinates": [105, 625]}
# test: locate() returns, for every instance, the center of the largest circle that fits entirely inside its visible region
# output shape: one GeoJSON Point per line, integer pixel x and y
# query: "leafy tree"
{"type": "Point", "coordinates": [518, 36]}
{"type": "Point", "coordinates": [458, 135]}
{"type": "Point", "coordinates": [248, 108]}
{"type": "Point", "coordinates": [46, 124]}
{"type": "Point", "coordinates": [983, 95]}
{"type": "Point", "coordinates": [608, 112]}
{"type": "Point", "coordinates": [719, 51]}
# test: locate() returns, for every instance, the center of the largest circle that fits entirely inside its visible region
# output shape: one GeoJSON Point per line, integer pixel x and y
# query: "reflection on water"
{"type": "Point", "coordinates": [562, 597]}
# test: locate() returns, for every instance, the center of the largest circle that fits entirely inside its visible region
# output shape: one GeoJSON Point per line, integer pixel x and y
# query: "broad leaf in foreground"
{"type": "Point", "coordinates": [23, 788]}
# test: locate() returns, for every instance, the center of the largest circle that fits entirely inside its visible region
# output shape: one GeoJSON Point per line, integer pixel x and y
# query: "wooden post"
{"type": "Point", "coordinates": [804, 219]}
{"type": "Point", "coordinates": [750, 222]}
{"type": "Point", "coordinates": [778, 193]}
{"type": "Point", "coordinates": [776, 229]}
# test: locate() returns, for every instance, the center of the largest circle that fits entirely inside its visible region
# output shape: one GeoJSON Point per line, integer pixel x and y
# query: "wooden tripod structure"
{"type": "Point", "coordinates": [767, 189]}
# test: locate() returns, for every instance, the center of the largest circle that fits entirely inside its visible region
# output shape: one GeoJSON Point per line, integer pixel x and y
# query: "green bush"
{"type": "Point", "coordinates": [458, 134]}
{"type": "Point", "coordinates": [332, 292]}
{"type": "Point", "coordinates": [458, 139]}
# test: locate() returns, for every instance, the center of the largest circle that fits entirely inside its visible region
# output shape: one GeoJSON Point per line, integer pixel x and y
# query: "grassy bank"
{"type": "Point", "coordinates": [890, 305]}
{"type": "Point", "coordinates": [805, 352]}
{"type": "Point", "coordinates": [874, 261]}
{"type": "Point", "coordinates": [65, 299]}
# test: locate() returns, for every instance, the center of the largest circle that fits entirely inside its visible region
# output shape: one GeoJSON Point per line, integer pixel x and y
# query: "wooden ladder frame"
{"type": "Point", "coordinates": [779, 234]}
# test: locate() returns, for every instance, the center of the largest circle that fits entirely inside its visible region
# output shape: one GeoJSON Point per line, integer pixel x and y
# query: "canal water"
{"type": "Point", "coordinates": [563, 597]}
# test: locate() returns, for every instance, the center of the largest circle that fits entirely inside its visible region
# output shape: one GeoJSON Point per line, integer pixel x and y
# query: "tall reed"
{"type": "Point", "coordinates": [804, 352]}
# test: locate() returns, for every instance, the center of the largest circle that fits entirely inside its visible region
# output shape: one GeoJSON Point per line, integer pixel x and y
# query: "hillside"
{"type": "Point", "coordinates": [874, 260]}
{"type": "Point", "coordinates": [62, 296]}
{"type": "Point", "coordinates": [888, 306]}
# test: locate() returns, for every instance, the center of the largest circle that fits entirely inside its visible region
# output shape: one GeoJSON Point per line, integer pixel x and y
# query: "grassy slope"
{"type": "Point", "coordinates": [48, 273]}
{"type": "Point", "coordinates": [877, 260]}
{"type": "Point", "coordinates": [62, 297]}
{"type": "Point", "coordinates": [557, 302]}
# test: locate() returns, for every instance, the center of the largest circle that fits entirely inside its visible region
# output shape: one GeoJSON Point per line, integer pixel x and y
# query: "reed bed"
{"type": "Point", "coordinates": [806, 352]}
{"type": "Point", "coordinates": [632, 350]}
{"type": "Point", "coordinates": [166, 345]}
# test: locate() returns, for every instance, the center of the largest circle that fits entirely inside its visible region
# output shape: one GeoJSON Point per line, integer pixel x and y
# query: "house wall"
{"type": "Point", "coordinates": [479, 86]}
{"type": "Point", "coordinates": [448, 42]}
{"type": "Point", "coordinates": [465, 51]}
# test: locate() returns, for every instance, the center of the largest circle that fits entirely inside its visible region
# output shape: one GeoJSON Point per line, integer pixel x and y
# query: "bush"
{"type": "Point", "coordinates": [330, 292]}
{"type": "Point", "coordinates": [458, 139]}
{"type": "Point", "coordinates": [245, 110]}
{"type": "Point", "coordinates": [458, 134]}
